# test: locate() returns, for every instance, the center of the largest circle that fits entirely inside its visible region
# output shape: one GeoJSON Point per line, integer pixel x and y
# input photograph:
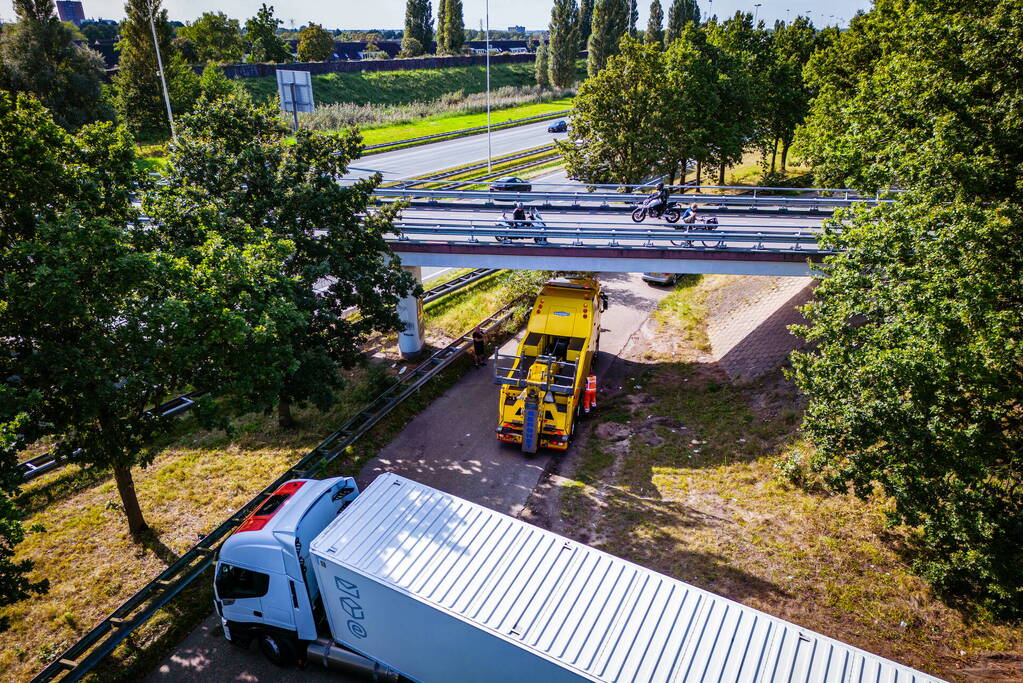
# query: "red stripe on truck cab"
{"type": "Point", "coordinates": [265, 512]}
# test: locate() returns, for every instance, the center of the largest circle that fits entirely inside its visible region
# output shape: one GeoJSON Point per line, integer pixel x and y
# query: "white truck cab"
{"type": "Point", "coordinates": [264, 584]}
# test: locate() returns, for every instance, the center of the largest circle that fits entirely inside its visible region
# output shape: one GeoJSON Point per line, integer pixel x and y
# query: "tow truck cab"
{"type": "Point", "coordinates": [264, 586]}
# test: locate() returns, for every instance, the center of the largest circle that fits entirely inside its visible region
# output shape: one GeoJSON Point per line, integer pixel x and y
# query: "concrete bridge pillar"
{"type": "Point", "coordinates": [410, 309]}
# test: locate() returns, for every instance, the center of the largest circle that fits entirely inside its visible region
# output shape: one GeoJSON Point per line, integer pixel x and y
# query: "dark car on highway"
{"type": "Point", "coordinates": [510, 184]}
{"type": "Point", "coordinates": [559, 127]}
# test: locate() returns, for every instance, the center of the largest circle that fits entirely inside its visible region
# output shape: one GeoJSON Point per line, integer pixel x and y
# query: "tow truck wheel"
{"type": "Point", "coordinates": [280, 651]}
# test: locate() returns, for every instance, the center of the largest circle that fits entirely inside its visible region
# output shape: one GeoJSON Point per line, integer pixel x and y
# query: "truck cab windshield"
{"type": "Point", "coordinates": [234, 583]}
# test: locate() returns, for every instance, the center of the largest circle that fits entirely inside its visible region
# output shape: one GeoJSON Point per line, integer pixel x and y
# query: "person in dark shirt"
{"type": "Point", "coordinates": [479, 347]}
{"type": "Point", "coordinates": [657, 199]}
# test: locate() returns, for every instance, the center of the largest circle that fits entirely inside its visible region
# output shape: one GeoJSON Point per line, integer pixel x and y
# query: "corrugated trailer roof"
{"type": "Point", "coordinates": [603, 617]}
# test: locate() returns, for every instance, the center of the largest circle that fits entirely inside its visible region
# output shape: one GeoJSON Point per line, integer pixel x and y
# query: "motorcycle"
{"type": "Point", "coordinates": [671, 212]}
{"type": "Point", "coordinates": [535, 220]}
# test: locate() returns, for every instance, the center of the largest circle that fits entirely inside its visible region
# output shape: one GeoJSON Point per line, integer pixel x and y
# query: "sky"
{"type": "Point", "coordinates": [533, 14]}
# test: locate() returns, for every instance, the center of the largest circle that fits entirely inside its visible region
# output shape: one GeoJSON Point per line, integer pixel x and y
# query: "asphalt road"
{"type": "Point", "coordinates": [450, 446]}
{"type": "Point", "coordinates": [438, 156]}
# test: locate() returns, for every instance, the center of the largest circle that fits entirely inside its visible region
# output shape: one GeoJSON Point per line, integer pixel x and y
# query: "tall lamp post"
{"type": "Point", "coordinates": [490, 148]}
{"type": "Point", "coordinates": [159, 64]}
{"type": "Point", "coordinates": [756, 12]}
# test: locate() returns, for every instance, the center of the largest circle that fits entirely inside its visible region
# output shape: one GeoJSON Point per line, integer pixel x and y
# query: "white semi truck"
{"type": "Point", "coordinates": [405, 582]}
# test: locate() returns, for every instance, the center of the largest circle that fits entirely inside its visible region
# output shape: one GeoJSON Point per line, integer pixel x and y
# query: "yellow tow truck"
{"type": "Point", "coordinates": [544, 386]}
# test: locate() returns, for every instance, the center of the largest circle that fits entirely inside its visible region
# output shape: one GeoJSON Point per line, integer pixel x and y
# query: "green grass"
{"type": "Point", "coordinates": [446, 123]}
{"type": "Point", "coordinates": [400, 87]}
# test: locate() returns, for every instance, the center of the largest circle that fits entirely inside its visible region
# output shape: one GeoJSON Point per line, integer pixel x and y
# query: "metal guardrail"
{"type": "Point", "coordinates": [455, 284]}
{"type": "Point", "coordinates": [683, 237]}
{"type": "Point", "coordinates": [442, 175]}
{"type": "Point", "coordinates": [578, 198]}
{"type": "Point", "coordinates": [47, 462]}
{"type": "Point", "coordinates": [466, 131]}
{"type": "Point", "coordinates": [83, 656]}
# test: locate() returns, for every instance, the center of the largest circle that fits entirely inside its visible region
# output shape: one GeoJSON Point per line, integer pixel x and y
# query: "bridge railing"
{"type": "Point", "coordinates": [470, 232]}
{"type": "Point", "coordinates": [580, 197]}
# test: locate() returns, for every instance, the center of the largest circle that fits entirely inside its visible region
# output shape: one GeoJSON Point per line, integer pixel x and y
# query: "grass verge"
{"type": "Point", "coordinates": [448, 123]}
{"type": "Point", "coordinates": [694, 491]}
{"type": "Point", "coordinates": [403, 87]}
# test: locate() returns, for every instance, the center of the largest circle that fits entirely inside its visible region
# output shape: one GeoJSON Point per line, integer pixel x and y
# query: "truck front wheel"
{"type": "Point", "coordinates": [279, 650]}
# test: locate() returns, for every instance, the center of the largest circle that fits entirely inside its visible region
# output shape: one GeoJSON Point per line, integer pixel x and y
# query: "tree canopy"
{"type": "Point", "coordinates": [914, 382]}
{"type": "Point", "coordinates": [39, 55]}
{"type": "Point", "coordinates": [655, 24]}
{"type": "Point", "coordinates": [261, 35]}
{"type": "Point", "coordinates": [418, 24]}
{"type": "Point", "coordinates": [564, 43]}
{"type": "Point", "coordinates": [315, 43]}
{"type": "Point", "coordinates": [610, 22]}
{"type": "Point", "coordinates": [236, 155]}
{"type": "Point", "coordinates": [104, 317]}
{"type": "Point", "coordinates": [215, 38]}
{"type": "Point", "coordinates": [138, 94]}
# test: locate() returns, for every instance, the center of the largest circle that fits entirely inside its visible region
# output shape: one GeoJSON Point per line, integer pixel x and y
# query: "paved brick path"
{"type": "Point", "coordinates": [752, 338]}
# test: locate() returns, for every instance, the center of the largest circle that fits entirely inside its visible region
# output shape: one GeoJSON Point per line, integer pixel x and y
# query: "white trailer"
{"type": "Point", "coordinates": [417, 584]}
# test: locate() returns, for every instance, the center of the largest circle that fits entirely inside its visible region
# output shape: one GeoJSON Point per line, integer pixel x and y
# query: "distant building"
{"type": "Point", "coordinates": [71, 10]}
{"type": "Point", "coordinates": [516, 29]}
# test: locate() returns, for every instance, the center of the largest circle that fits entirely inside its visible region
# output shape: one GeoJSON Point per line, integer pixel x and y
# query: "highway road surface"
{"type": "Point", "coordinates": [437, 156]}
{"type": "Point", "coordinates": [450, 446]}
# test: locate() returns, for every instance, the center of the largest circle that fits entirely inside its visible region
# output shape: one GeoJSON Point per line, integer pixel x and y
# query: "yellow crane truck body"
{"type": "Point", "coordinates": [543, 385]}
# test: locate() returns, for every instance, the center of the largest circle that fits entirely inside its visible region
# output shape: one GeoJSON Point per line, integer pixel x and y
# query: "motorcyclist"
{"type": "Point", "coordinates": [520, 217]}
{"type": "Point", "coordinates": [658, 199]}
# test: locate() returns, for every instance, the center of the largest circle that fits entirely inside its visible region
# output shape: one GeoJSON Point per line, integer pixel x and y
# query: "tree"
{"type": "Point", "coordinates": [410, 47]}
{"type": "Point", "coordinates": [633, 18]}
{"type": "Point", "coordinates": [213, 83]}
{"type": "Point", "coordinates": [102, 319]}
{"type": "Point", "coordinates": [236, 156]}
{"type": "Point", "coordinates": [315, 44]}
{"type": "Point", "coordinates": [914, 383]}
{"type": "Point", "coordinates": [564, 43]}
{"type": "Point", "coordinates": [441, 36]}
{"type": "Point", "coordinates": [418, 24]}
{"type": "Point", "coordinates": [98, 30]}
{"type": "Point", "coordinates": [454, 27]}
{"type": "Point", "coordinates": [541, 67]}
{"type": "Point", "coordinates": [793, 45]}
{"type": "Point", "coordinates": [15, 584]}
{"type": "Point", "coordinates": [619, 120]}
{"type": "Point", "coordinates": [696, 81]}
{"type": "Point", "coordinates": [585, 23]}
{"type": "Point", "coordinates": [264, 43]}
{"type": "Point", "coordinates": [138, 94]}
{"type": "Point", "coordinates": [216, 38]}
{"type": "Point", "coordinates": [38, 55]}
{"type": "Point", "coordinates": [749, 46]}
{"type": "Point", "coordinates": [610, 23]}
{"type": "Point", "coordinates": [680, 13]}
{"type": "Point", "coordinates": [655, 24]}
{"type": "Point", "coordinates": [902, 102]}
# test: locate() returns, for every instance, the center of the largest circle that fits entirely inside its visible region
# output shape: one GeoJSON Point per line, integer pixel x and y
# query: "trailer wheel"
{"type": "Point", "coordinates": [279, 650]}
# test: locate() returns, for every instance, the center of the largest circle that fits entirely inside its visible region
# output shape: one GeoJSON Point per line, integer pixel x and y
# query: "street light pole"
{"type": "Point", "coordinates": [756, 13]}
{"type": "Point", "coordinates": [163, 78]}
{"type": "Point", "coordinates": [490, 148]}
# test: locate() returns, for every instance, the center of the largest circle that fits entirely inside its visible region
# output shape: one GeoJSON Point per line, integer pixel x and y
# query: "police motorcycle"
{"type": "Point", "coordinates": [522, 218]}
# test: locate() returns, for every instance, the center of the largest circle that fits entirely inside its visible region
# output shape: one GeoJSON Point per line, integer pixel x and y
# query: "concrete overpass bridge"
{"type": "Point", "coordinates": [477, 237]}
